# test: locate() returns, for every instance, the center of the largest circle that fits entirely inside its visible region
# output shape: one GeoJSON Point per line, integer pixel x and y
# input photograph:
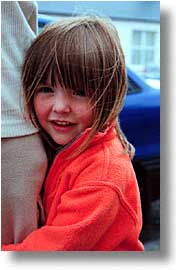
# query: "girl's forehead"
{"type": "Point", "coordinates": [51, 77]}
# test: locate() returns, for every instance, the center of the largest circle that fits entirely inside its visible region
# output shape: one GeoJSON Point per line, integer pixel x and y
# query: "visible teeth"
{"type": "Point", "coordinates": [63, 123]}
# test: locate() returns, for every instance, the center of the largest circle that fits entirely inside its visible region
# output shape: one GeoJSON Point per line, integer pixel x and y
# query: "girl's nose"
{"type": "Point", "coordinates": [62, 103]}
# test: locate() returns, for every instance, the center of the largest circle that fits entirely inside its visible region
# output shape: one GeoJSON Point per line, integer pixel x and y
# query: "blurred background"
{"type": "Point", "coordinates": [138, 25]}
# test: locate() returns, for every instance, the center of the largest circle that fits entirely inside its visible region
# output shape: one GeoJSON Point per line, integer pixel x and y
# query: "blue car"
{"type": "Point", "coordinates": [140, 121]}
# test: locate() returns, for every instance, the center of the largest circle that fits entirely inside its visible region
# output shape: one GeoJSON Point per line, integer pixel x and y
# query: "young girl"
{"type": "Point", "coordinates": [74, 81]}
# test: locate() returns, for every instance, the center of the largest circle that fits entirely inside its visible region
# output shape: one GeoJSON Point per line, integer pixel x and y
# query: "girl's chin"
{"type": "Point", "coordinates": [62, 140]}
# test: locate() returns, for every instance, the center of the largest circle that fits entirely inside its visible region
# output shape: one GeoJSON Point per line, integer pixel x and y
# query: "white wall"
{"type": "Point", "coordinates": [125, 29]}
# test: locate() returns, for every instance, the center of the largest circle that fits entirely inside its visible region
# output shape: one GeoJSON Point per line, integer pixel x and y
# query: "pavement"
{"type": "Point", "coordinates": [152, 245]}
{"type": "Point", "coordinates": [150, 235]}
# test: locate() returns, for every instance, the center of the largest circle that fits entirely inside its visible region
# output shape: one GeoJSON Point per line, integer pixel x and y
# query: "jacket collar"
{"type": "Point", "coordinates": [70, 148]}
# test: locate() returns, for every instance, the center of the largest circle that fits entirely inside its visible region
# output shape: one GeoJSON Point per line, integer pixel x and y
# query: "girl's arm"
{"type": "Point", "coordinates": [78, 223]}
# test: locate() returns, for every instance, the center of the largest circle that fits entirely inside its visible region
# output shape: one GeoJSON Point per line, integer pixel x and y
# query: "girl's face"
{"type": "Point", "coordinates": [62, 114]}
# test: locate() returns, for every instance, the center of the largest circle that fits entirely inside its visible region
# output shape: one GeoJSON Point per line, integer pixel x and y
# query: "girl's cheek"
{"type": "Point", "coordinates": [82, 109]}
{"type": "Point", "coordinates": [42, 102]}
{"type": "Point", "coordinates": [41, 107]}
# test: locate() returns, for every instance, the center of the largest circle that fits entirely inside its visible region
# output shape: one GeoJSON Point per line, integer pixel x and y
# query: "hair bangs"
{"type": "Point", "coordinates": [79, 61]}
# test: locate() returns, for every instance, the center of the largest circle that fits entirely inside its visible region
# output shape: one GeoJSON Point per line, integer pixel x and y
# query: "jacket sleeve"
{"type": "Point", "coordinates": [79, 222]}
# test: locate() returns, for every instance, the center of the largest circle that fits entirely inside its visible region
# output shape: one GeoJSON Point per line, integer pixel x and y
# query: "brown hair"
{"type": "Point", "coordinates": [85, 53]}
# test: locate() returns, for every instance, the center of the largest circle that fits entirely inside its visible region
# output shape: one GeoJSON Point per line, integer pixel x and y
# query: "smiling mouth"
{"type": "Point", "coordinates": [62, 123]}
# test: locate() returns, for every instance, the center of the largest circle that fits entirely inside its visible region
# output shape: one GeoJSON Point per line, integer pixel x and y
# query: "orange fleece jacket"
{"type": "Point", "coordinates": [92, 202]}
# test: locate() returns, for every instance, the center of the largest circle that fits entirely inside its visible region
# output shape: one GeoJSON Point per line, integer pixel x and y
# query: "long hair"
{"type": "Point", "coordinates": [85, 53]}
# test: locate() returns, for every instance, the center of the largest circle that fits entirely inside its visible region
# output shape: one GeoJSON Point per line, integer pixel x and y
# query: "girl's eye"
{"type": "Point", "coordinates": [45, 90]}
{"type": "Point", "coordinates": [78, 93]}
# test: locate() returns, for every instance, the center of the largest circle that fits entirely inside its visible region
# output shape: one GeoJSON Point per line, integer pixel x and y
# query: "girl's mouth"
{"type": "Point", "coordinates": [62, 125]}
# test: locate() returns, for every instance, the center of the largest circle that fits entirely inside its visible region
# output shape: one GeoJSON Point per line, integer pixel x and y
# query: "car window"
{"type": "Point", "coordinates": [132, 87]}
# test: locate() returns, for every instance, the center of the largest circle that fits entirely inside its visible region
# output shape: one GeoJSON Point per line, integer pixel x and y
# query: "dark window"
{"type": "Point", "coordinates": [132, 87]}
